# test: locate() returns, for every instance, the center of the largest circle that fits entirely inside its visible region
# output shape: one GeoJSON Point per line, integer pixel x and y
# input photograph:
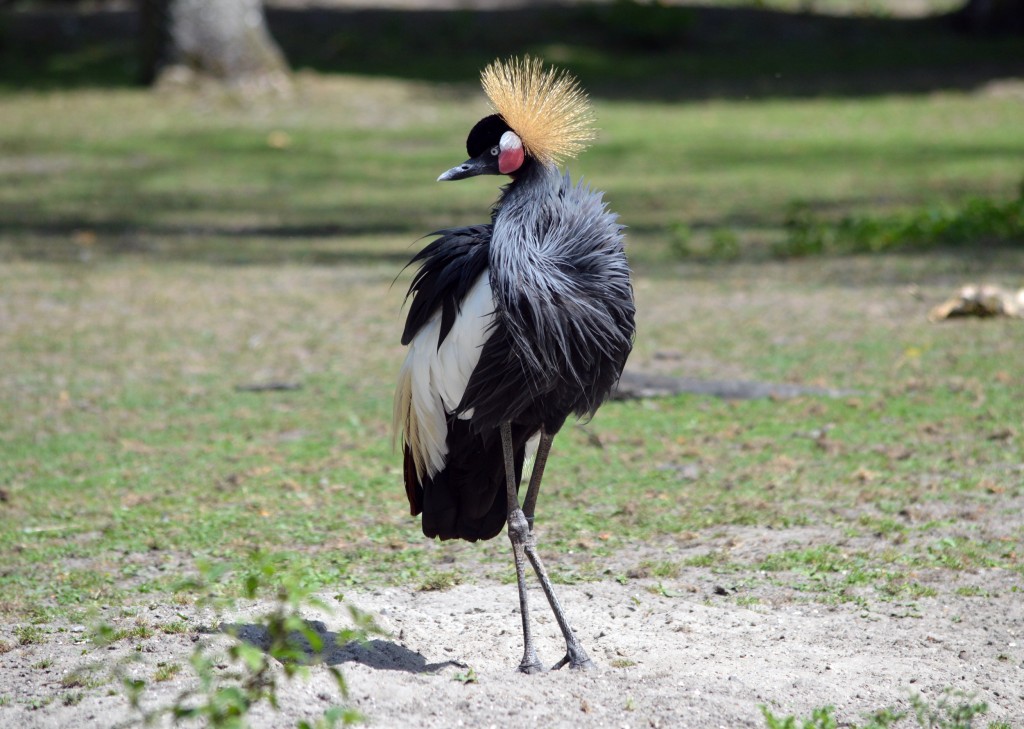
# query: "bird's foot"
{"type": "Point", "coordinates": [531, 666]}
{"type": "Point", "coordinates": [530, 662]}
{"type": "Point", "coordinates": [577, 660]}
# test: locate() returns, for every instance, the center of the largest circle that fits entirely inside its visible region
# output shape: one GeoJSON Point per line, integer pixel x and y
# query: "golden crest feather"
{"type": "Point", "coordinates": [546, 108]}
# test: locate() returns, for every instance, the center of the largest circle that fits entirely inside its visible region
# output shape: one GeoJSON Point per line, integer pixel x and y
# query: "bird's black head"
{"type": "Point", "coordinates": [494, 149]}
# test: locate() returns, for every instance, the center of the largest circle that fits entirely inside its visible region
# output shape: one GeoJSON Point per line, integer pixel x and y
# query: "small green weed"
{"type": "Point", "coordinates": [37, 703]}
{"type": "Point", "coordinates": [710, 559]}
{"type": "Point", "coordinates": [895, 586]}
{"type": "Point", "coordinates": [166, 671]}
{"type": "Point", "coordinates": [662, 569]}
{"type": "Point", "coordinates": [177, 627]}
{"type": "Point", "coordinates": [79, 679]}
{"type": "Point", "coordinates": [467, 676]}
{"type": "Point", "coordinates": [660, 589]}
{"type": "Point", "coordinates": [438, 581]}
{"type": "Point", "coordinates": [825, 558]}
{"type": "Point", "coordinates": [106, 634]}
{"type": "Point", "coordinates": [29, 635]}
{"type": "Point", "coordinates": [43, 664]}
{"type": "Point", "coordinates": [821, 718]}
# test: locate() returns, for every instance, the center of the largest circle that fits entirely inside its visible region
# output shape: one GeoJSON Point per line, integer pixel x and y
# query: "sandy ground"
{"type": "Point", "coordinates": [690, 655]}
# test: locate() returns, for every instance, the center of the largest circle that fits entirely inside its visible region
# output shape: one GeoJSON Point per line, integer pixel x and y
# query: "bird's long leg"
{"type": "Point", "coordinates": [540, 460]}
{"type": "Point", "coordinates": [575, 656]}
{"type": "Point", "coordinates": [518, 532]}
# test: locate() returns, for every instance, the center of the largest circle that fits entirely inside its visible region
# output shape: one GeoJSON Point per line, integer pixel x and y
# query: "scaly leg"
{"type": "Point", "coordinates": [516, 523]}
{"type": "Point", "coordinates": [539, 461]}
{"type": "Point", "coordinates": [575, 655]}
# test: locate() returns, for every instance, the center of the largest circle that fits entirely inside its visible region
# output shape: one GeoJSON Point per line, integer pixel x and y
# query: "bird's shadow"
{"type": "Point", "coordinates": [379, 654]}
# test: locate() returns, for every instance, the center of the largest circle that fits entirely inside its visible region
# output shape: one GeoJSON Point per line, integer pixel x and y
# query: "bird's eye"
{"type": "Point", "coordinates": [494, 151]}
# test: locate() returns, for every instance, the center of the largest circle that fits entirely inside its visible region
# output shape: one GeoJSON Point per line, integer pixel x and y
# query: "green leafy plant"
{"type": "Point", "coordinates": [953, 710]}
{"type": "Point", "coordinates": [975, 221]}
{"type": "Point", "coordinates": [290, 644]}
{"type": "Point", "coordinates": [821, 718]}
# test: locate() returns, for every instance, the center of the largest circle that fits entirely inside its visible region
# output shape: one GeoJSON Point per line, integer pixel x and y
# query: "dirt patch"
{"type": "Point", "coordinates": [694, 650]}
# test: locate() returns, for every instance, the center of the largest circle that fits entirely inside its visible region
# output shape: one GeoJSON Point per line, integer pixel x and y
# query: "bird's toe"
{"type": "Point", "coordinates": [531, 667]}
{"type": "Point", "coordinates": [575, 662]}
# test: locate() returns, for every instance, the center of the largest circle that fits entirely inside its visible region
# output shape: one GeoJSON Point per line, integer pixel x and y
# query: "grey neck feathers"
{"type": "Point", "coordinates": [556, 256]}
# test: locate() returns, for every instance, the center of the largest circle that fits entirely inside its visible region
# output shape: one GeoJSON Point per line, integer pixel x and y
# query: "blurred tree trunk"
{"type": "Point", "coordinates": [988, 17]}
{"type": "Point", "coordinates": [224, 40]}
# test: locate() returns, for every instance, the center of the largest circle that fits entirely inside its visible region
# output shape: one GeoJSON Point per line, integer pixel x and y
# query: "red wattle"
{"type": "Point", "coordinates": [510, 160]}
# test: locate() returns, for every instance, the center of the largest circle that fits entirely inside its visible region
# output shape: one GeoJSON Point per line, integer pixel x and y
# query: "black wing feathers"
{"type": "Point", "coordinates": [448, 268]}
{"type": "Point", "coordinates": [466, 500]}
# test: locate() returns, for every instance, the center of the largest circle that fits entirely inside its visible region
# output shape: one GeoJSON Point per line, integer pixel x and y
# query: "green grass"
{"type": "Point", "coordinates": [166, 671]}
{"type": "Point", "coordinates": [178, 627]}
{"type": "Point", "coordinates": [29, 635]}
{"type": "Point", "coordinates": [438, 581]}
{"type": "Point", "coordinates": [972, 223]}
{"type": "Point", "coordinates": [160, 251]}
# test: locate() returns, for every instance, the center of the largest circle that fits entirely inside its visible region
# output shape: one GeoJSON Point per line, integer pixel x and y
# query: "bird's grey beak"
{"type": "Point", "coordinates": [469, 168]}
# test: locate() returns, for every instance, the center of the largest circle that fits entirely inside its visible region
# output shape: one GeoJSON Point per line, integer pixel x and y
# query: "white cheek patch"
{"type": "Point", "coordinates": [511, 153]}
{"type": "Point", "coordinates": [509, 141]}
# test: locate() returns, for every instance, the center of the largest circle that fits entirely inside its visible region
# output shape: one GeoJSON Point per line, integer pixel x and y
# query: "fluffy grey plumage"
{"type": "Point", "coordinates": [564, 305]}
{"type": "Point", "coordinates": [560, 335]}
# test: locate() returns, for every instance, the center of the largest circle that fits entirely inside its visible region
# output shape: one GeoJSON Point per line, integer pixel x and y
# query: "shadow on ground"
{"type": "Point", "coordinates": [80, 240]}
{"type": "Point", "coordinates": [382, 655]}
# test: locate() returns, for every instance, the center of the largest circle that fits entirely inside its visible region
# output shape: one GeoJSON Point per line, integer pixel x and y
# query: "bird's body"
{"type": "Point", "coordinates": [526, 320]}
{"type": "Point", "coordinates": [513, 326]}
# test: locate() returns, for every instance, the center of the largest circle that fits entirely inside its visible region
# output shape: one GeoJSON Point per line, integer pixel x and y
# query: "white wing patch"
{"type": "Point", "coordinates": [433, 379]}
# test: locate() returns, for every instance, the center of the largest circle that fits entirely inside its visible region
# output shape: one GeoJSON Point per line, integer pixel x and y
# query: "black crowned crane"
{"type": "Point", "coordinates": [513, 326]}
